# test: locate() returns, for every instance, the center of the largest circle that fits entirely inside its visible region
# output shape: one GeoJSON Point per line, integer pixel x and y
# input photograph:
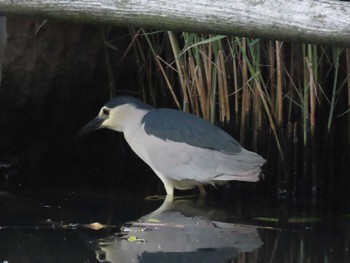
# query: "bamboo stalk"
{"type": "Point", "coordinates": [214, 82]}
{"type": "Point", "coordinates": [256, 96]}
{"type": "Point", "coordinates": [315, 65]}
{"type": "Point", "coordinates": [226, 95]}
{"type": "Point", "coordinates": [220, 88]}
{"type": "Point", "coordinates": [168, 83]}
{"type": "Point", "coordinates": [245, 89]}
{"type": "Point", "coordinates": [305, 100]}
{"type": "Point", "coordinates": [271, 122]}
{"type": "Point", "coordinates": [160, 66]}
{"type": "Point", "coordinates": [279, 98]}
{"type": "Point", "coordinates": [265, 101]}
{"type": "Point", "coordinates": [224, 89]}
{"type": "Point", "coordinates": [136, 45]}
{"type": "Point", "coordinates": [312, 89]}
{"type": "Point", "coordinates": [202, 94]}
{"type": "Point", "coordinates": [188, 67]}
{"type": "Point", "coordinates": [233, 52]}
{"type": "Point", "coordinates": [112, 88]}
{"type": "Point", "coordinates": [235, 81]}
{"type": "Point", "coordinates": [336, 55]}
{"type": "Point", "coordinates": [207, 56]}
{"type": "Point", "coordinates": [290, 74]}
{"type": "Point", "coordinates": [348, 73]}
{"type": "Point", "coordinates": [271, 59]}
{"type": "Point", "coordinates": [206, 66]}
{"type": "Point", "coordinates": [179, 65]}
{"type": "Point", "coordinates": [191, 91]}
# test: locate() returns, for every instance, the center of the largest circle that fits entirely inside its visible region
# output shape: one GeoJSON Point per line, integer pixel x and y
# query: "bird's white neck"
{"type": "Point", "coordinates": [130, 118]}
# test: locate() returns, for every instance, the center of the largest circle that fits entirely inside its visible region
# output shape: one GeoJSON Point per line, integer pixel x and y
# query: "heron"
{"type": "Point", "coordinates": [183, 150]}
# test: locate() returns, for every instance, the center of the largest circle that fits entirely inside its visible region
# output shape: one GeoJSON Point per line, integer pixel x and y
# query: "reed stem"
{"type": "Point", "coordinates": [336, 54]}
{"type": "Point", "coordinates": [348, 73]}
{"type": "Point", "coordinates": [279, 97]}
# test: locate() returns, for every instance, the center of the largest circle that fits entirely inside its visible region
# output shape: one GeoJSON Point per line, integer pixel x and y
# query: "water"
{"type": "Point", "coordinates": [85, 201]}
{"type": "Point", "coordinates": [54, 225]}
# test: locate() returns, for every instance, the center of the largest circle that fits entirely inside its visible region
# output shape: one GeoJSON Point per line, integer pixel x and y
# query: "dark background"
{"type": "Point", "coordinates": [57, 75]}
{"type": "Point", "coordinates": [55, 79]}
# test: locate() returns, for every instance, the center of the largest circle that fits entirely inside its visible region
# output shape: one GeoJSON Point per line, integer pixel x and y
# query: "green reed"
{"type": "Point", "coordinates": [258, 85]}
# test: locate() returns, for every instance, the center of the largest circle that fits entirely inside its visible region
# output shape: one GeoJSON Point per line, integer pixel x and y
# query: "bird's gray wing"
{"type": "Point", "coordinates": [178, 126]}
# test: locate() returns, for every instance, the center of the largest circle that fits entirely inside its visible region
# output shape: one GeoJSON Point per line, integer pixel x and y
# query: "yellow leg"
{"type": "Point", "coordinates": [202, 191]}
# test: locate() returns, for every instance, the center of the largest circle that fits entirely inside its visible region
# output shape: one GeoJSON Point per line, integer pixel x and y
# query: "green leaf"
{"type": "Point", "coordinates": [254, 42]}
{"type": "Point", "coordinates": [205, 41]}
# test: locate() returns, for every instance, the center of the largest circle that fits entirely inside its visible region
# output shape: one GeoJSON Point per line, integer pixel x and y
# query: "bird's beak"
{"type": "Point", "coordinates": [93, 125]}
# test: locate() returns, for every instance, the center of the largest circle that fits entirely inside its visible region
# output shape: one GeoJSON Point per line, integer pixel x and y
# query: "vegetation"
{"type": "Point", "coordinates": [288, 92]}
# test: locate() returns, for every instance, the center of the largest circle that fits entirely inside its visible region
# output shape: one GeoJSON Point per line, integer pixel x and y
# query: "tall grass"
{"type": "Point", "coordinates": [287, 90]}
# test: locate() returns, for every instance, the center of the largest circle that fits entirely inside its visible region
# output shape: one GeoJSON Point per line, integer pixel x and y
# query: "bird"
{"type": "Point", "coordinates": [183, 150]}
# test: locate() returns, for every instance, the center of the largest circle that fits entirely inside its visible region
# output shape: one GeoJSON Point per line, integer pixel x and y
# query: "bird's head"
{"type": "Point", "coordinates": [116, 114]}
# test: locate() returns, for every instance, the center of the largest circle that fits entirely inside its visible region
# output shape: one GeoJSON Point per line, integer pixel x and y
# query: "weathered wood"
{"type": "Point", "coordinates": [313, 21]}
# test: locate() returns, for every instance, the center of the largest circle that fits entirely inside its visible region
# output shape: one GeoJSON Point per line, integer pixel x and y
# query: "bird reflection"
{"type": "Point", "coordinates": [180, 230]}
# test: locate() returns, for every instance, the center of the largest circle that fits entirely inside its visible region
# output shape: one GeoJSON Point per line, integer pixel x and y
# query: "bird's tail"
{"type": "Point", "coordinates": [245, 166]}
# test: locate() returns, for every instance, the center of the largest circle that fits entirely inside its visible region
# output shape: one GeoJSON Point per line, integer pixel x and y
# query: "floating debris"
{"type": "Point", "coordinates": [95, 226]}
{"type": "Point", "coordinates": [267, 219]}
{"type": "Point", "coordinates": [300, 220]}
{"type": "Point", "coordinates": [133, 239]}
{"type": "Point", "coordinates": [153, 220]}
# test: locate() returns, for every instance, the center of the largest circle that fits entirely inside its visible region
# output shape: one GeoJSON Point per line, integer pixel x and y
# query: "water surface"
{"type": "Point", "coordinates": [56, 226]}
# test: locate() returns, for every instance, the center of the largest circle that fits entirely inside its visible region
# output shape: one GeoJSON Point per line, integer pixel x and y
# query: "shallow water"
{"type": "Point", "coordinates": [55, 226]}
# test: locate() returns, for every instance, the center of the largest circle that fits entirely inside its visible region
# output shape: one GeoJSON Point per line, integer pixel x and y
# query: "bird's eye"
{"type": "Point", "coordinates": [105, 111]}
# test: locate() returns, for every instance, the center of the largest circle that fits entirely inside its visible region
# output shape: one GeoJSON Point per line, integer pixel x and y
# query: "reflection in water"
{"type": "Point", "coordinates": [52, 228]}
{"type": "Point", "coordinates": [181, 230]}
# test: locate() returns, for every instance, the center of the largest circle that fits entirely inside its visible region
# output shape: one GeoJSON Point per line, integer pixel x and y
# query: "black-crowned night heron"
{"type": "Point", "coordinates": [185, 151]}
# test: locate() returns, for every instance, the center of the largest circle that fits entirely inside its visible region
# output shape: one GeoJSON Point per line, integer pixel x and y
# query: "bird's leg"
{"type": "Point", "coordinates": [202, 191]}
{"type": "Point", "coordinates": [169, 189]}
